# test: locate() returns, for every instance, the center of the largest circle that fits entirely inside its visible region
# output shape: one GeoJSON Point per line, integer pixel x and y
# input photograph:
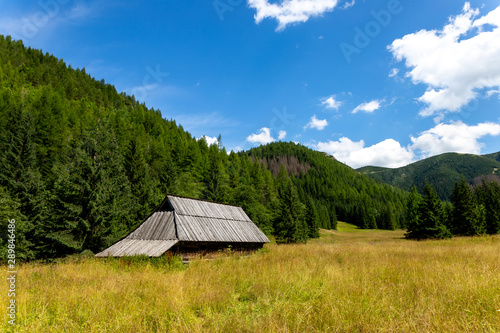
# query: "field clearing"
{"type": "Point", "coordinates": [349, 280]}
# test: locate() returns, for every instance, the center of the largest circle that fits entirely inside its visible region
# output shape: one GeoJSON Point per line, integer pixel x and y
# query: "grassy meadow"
{"type": "Point", "coordinates": [349, 280]}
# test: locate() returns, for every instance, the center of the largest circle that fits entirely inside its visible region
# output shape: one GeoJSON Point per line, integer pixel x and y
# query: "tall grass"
{"type": "Point", "coordinates": [348, 281]}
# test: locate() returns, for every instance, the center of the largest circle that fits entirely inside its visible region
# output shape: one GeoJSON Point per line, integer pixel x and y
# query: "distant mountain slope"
{"type": "Point", "coordinates": [442, 171]}
{"type": "Point", "coordinates": [494, 156]}
{"type": "Point", "coordinates": [354, 197]}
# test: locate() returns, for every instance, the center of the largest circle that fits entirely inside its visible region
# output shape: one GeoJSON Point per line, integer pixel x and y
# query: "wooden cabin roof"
{"type": "Point", "coordinates": [187, 220]}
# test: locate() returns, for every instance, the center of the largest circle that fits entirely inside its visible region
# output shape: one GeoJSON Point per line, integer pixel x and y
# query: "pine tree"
{"type": "Point", "coordinates": [311, 217]}
{"type": "Point", "coordinates": [215, 176]}
{"type": "Point", "coordinates": [489, 196]}
{"type": "Point", "coordinates": [467, 220]}
{"type": "Point", "coordinates": [333, 218]}
{"type": "Point", "coordinates": [289, 224]}
{"type": "Point", "coordinates": [143, 186]}
{"type": "Point", "coordinates": [413, 219]}
{"type": "Point", "coordinates": [10, 211]}
{"type": "Point", "coordinates": [23, 180]}
{"type": "Point", "coordinates": [431, 216]}
{"type": "Point", "coordinates": [94, 194]}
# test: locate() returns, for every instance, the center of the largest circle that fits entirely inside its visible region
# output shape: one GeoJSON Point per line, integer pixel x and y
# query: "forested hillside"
{"type": "Point", "coordinates": [337, 188]}
{"type": "Point", "coordinates": [494, 156]}
{"type": "Point", "coordinates": [441, 171]}
{"type": "Point", "coordinates": [82, 165]}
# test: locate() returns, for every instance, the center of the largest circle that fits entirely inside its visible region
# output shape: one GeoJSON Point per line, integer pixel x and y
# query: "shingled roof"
{"type": "Point", "coordinates": [180, 220]}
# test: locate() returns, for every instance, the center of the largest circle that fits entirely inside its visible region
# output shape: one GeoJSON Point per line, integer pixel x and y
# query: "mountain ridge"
{"type": "Point", "coordinates": [442, 171]}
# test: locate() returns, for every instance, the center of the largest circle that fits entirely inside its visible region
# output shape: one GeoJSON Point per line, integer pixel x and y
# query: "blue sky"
{"type": "Point", "coordinates": [371, 82]}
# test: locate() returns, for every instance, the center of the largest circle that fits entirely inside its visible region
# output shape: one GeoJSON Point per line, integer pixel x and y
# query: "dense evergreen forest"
{"type": "Point", "coordinates": [82, 165]}
{"type": "Point", "coordinates": [336, 188]}
{"type": "Point", "coordinates": [441, 171]}
{"type": "Point", "coordinates": [473, 210]}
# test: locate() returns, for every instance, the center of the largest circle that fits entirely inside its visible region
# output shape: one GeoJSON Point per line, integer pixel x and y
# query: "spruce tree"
{"type": "Point", "coordinates": [10, 212]}
{"type": "Point", "coordinates": [311, 217]}
{"type": "Point", "coordinates": [143, 185]}
{"type": "Point", "coordinates": [94, 194]}
{"type": "Point", "coordinates": [431, 216]}
{"type": "Point", "coordinates": [289, 224]}
{"type": "Point", "coordinates": [215, 176]}
{"type": "Point", "coordinates": [489, 196]}
{"type": "Point", "coordinates": [413, 219]}
{"type": "Point", "coordinates": [467, 219]}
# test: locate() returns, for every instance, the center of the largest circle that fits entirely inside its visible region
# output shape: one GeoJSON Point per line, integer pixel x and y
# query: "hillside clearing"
{"type": "Point", "coordinates": [349, 280]}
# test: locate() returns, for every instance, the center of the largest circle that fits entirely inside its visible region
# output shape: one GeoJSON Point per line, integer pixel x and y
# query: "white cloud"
{"type": "Point", "coordinates": [348, 4]}
{"type": "Point", "coordinates": [393, 72]}
{"type": "Point", "coordinates": [317, 123]}
{"type": "Point", "coordinates": [368, 107]}
{"type": "Point", "coordinates": [454, 137]}
{"type": "Point", "coordinates": [493, 92]}
{"type": "Point", "coordinates": [210, 140]}
{"type": "Point", "coordinates": [453, 65]}
{"type": "Point", "coordinates": [387, 153]}
{"type": "Point", "coordinates": [263, 137]}
{"type": "Point", "coordinates": [330, 102]}
{"type": "Point", "coordinates": [290, 11]}
{"type": "Point", "coordinates": [281, 135]}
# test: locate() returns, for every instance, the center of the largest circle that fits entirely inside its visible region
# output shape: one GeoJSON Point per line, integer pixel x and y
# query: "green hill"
{"type": "Point", "coordinates": [354, 197]}
{"type": "Point", "coordinates": [442, 171]}
{"type": "Point", "coordinates": [82, 165]}
{"type": "Point", "coordinates": [494, 156]}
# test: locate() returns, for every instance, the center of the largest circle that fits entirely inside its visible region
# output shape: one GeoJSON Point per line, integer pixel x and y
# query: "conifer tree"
{"type": "Point", "coordinates": [489, 196]}
{"type": "Point", "coordinates": [311, 217]}
{"type": "Point", "coordinates": [333, 218]}
{"type": "Point", "coordinates": [289, 224]}
{"type": "Point", "coordinates": [215, 176]}
{"type": "Point", "coordinates": [10, 212]}
{"type": "Point", "coordinates": [431, 217]}
{"type": "Point", "coordinates": [467, 219]}
{"type": "Point", "coordinates": [94, 195]}
{"type": "Point", "coordinates": [143, 186]}
{"type": "Point", "coordinates": [413, 218]}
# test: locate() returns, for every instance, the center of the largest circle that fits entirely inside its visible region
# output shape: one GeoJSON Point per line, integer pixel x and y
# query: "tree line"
{"type": "Point", "coordinates": [82, 165]}
{"type": "Point", "coordinates": [472, 211]}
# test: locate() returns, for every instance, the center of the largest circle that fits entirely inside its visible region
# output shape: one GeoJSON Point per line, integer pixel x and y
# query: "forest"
{"type": "Point", "coordinates": [473, 211]}
{"type": "Point", "coordinates": [82, 165]}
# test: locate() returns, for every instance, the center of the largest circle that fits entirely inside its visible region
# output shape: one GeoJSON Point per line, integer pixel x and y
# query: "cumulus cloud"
{"type": "Point", "coordinates": [393, 72]}
{"type": "Point", "coordinates": [387, 153]}
{"type": "Point", "coordinates": [317, 123]}
{"type": "Point", "coordinates": [210, 140]}
{"type": "Point", "coordinates": [454, 62]}
{"type": "Point", "coordinates": [368, 107]}
{"type": "Point", "coordinates": [290, 11]}
{"type": "Point", "coordinates": [454, 137]}
{"type": "Point", "coordinates": [263, 137]}
{"type": "Point", "coordinates": [492, 92]}
{"type": "Point", "coordinates": [281, 135]}
{"type": "Point", "coordinates": [331, 103]}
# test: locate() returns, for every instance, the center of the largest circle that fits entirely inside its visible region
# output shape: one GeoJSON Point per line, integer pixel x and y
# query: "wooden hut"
{"type": "Point", "coordinates": [184, 225]}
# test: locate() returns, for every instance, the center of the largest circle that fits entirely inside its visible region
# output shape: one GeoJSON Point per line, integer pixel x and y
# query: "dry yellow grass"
{"type": "Point", "coordinates": [347, 281]}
